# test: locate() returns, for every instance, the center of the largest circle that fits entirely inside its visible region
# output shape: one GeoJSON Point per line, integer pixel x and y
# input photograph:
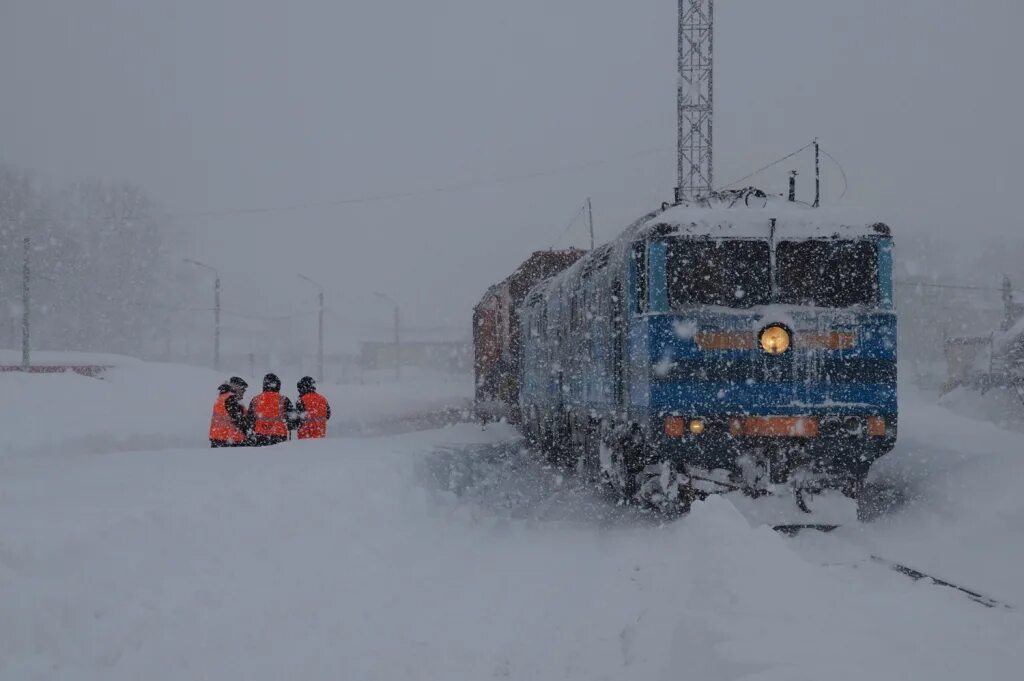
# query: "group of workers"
{"type": "Point", "coordinates": [270, 416]}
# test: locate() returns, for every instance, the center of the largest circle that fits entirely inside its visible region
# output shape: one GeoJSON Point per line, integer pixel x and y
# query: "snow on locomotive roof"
{"type": "Point", "coordinates": [744, 213]}
{"type": "Point", "coordinates": [792, 220]}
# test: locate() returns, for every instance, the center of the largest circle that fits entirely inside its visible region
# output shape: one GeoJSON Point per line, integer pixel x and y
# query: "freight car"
{"type": "Point", "coordinates": [496, 336]}
{"type": "Point", "coordinates": [737, 342]}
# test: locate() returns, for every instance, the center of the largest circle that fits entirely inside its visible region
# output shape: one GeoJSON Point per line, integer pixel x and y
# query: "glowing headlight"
{"type": "Point", "coordinates": [775, 339]}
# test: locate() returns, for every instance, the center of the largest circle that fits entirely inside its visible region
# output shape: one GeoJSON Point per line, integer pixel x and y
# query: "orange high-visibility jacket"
{"type": "Point", "coordinates": [269, 416]}
{"type": "Point", "coordinates": [314, 420]}
{"type": "Point", "coordinates": [222, 427]}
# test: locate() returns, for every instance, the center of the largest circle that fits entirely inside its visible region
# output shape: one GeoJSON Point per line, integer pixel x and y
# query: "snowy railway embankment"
{"type": "Point", "coordinates": [444, 554]}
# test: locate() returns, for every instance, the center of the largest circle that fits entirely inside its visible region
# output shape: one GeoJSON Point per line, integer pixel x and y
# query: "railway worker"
{"type": "Point", "coordinates": [312, 410]}
{"type": "Point", "coordinates": [229, 423]}
{"type": "Point", "coordinates": [271, 414]}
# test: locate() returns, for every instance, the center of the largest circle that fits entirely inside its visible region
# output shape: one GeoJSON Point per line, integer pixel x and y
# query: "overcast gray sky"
{"type": "Point", "coordinates": [223, 104]}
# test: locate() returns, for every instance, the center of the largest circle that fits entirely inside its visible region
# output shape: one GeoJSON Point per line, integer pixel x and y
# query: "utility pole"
{"type": "Point", "coordinates": [216, 323]}
{"type": "Point", "coordinates": [817, 173]}
{"type": "Point", "coordinates": [26, 290]}
{"type": "Point", "coordinates": [320, 330]}
{"type": "Point", "coordinates": [320, 339]}
{"type": "Point", "coordinates": [1009, 309]}
{"type": "Point", "coordinates": [398, 348]}
{"type": "Point", "coordinates": [216, 310]}
{"type": "Point", "coordinates": [695, 99]}
{"type": "Point", "coordinates": [590, 221]}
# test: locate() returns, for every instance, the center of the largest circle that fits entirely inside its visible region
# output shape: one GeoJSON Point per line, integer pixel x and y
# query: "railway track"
{"type": "Point", "coordinates": [876, 501]}
{"type": "Point", "coordinates": [917, 575]}
{"type": "Point", "coordinates": [914, 574]}
{"type": "Point", "coordinates": [508, 480]}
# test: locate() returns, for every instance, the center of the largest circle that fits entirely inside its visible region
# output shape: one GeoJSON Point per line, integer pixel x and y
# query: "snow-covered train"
{"type": "Point", "coordinates": [497, 340]}
{"type": "Point", "coordinates": [734, 342]}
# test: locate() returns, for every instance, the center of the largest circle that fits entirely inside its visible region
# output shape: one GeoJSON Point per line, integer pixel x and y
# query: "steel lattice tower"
{"type": "Point", "coordinates": [696, 98]}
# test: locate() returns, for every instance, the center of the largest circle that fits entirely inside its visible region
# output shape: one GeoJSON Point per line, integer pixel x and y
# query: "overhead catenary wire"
{"type": "Point", "coordinates": [846, 183]}
{"type": "Point", "coordinates": [396, 196]}
{"type": "Point", "coordinates": [568, 226]}
{"type": "Point", "coordinates": [839, 166]}
{"type": "Point", "coordinates": [113, 300]}
{"type": "Point", "coordinates": [474, 184]}
{"type": "Point", "coordinates": [764, 168]}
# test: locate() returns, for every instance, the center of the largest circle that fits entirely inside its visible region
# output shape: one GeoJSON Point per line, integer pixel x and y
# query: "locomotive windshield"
{"type": "Point", "coordinates": [827, 273]}
{"type": "Point", "coordinates": [732, 272]}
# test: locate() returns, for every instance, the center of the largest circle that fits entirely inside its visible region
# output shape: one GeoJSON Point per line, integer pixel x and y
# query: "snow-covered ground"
{"type": "Point", "coordinates": [137, 405]}
{"type": "Point", "coordinates": [151, 406]}
{"type": "Point", "coordinates": [452, 554]}
{"type": "Point", "coordinates": [1001, 406]}
{"type": "Point", "coordinates": [382, 398]}
{"type": "Point", "coordinates": [962, 511]}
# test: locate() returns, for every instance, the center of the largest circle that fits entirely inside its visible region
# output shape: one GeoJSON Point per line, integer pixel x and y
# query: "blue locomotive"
{"type": "Point", "coordinates": [734, 340]}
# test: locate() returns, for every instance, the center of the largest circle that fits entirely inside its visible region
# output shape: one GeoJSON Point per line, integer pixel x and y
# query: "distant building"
{"type": "Point", "coordinates": [450, 356]}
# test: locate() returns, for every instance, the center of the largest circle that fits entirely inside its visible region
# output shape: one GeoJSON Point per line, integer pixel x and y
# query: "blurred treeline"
{"type": "Point", "coordinates": [100, 265]}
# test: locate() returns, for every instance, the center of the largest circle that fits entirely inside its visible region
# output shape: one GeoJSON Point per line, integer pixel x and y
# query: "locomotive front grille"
{"type": "Point", "coordinates": [790, 368]}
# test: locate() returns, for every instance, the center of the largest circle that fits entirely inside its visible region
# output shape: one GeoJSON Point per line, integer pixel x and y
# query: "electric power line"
{"type": "Point", "coordinates": [568, 226]}
{"type": "Point", "coordinates": [842, 172]}
{"type": "Point", "coordinates": [112, 300]}
{"type": "Point", "coordinates": [762, 169]}
{"type": "Point", "coordinates": [846, 183]}
{"type": "Point", "coordinates": [395, 196]}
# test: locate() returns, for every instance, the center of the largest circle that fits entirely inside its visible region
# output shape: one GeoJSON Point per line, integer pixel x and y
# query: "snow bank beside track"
{"type": "Point", "coordinates": [135, 406]}
{"type": "Point", "coordinates": [336, 559]}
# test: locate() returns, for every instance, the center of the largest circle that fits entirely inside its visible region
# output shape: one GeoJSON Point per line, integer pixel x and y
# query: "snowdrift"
{"type": "Point", "coordinates": [136, 405]}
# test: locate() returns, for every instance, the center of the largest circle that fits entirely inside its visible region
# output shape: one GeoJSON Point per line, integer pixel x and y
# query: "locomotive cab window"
{"type": "Point", "coordinates": [730, 272]}
{"type": "Point", "coordinates": [827, 273]}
